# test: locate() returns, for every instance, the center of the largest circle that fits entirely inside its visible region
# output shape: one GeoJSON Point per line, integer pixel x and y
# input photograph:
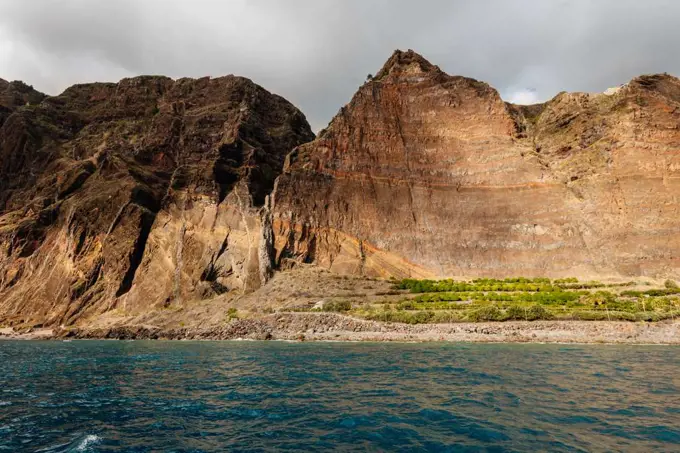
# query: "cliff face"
{"type": "Point", "coordinates": [425, 174]}
{"type": "Point", "coordinates": [152, 193]}
{"type": "Point", "coordinates": [136, 195]}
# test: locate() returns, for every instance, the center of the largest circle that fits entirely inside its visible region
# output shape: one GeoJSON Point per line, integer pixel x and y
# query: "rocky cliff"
{"type": "Point", "coordinates": [426, 174]}
{"type": "Point", "coordinates": [151, 194]}
{"type": "Point", "coordinates": [138, 195]}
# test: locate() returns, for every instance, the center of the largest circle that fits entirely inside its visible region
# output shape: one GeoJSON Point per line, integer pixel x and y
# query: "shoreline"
{"type": "Point", "coordinates": [327, 327]}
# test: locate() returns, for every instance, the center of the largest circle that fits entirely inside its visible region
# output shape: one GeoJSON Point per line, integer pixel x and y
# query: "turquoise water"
{"type": "Point", "coordinates": [240, 396]}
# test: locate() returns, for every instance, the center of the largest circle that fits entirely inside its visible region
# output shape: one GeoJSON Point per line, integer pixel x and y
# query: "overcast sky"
{"type": "Point", "coordinates": [317, 52]}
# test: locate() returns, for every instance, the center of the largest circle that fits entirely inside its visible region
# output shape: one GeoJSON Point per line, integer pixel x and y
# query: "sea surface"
{"type": "Point", "coordinates": [138, 396]}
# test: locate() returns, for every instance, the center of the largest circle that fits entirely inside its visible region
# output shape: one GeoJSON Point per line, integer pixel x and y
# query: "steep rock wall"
{"type": "Point", "coordinates": [426, 174]}
{"type": "Point", "coordinates": [143, 194]}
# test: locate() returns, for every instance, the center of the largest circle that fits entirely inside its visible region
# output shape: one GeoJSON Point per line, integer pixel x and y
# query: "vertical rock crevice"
{"type": "Point", "coordinates": [266, 251]}
{"type": "Point", "coordinates": [137, 253]}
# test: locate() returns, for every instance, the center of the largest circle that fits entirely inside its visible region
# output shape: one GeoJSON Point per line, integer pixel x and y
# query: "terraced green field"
{"type": "Point", "coordinates": [523, 299]}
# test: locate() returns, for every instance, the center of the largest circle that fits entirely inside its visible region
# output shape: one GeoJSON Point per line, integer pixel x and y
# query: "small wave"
{"type": "Point", "coordinates": [81, 443]}
{"type": "Point", "coordinates": [90, 439]}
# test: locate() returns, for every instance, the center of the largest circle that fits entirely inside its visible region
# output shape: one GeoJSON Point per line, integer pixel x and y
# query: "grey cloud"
{"type": "Point", "coordinates": [317, 52]}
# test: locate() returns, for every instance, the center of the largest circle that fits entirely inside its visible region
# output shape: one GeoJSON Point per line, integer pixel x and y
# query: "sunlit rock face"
{"type": "Point", "coordinates": [138, 195]}
{"type": "Point", "coordinates": [426, 174]}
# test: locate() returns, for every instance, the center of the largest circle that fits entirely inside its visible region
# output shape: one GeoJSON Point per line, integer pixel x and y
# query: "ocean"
{"type": "Point", "coordinates": [144, 396]}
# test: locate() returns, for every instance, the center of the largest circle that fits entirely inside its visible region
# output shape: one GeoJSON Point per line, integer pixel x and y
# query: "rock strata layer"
{"type": "Point", "coordinates": [426, 174]}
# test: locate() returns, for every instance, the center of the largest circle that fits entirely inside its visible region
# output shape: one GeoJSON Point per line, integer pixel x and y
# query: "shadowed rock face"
{"type": "Point", "coordinates": [139, 194]}
{"type": "Point", "coordinates": [426, 174]}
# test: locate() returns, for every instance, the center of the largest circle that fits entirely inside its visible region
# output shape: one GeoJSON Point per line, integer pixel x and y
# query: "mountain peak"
{"type": "Point", "coordinates": [664, 84]}
{"type": "Point", "coordinates": [406, 63]}
{"type": "Point", "coordinates": [17, 93]}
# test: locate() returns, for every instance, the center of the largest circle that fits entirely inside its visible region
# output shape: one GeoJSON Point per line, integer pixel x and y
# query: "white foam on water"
{"type": "Point", "coordinates": [90, 439]}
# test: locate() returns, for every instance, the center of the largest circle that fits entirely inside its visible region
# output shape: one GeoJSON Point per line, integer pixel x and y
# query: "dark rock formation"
{"type": "Point", "coordinates": [14, 95]}
{"type": "Point", "coordinates": [135, 195]}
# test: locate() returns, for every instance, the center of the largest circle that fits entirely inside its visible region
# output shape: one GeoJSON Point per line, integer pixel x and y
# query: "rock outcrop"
{"type": "Point", "coordinates": [14, 95]}
{"type": "Point", "coordinates": [136, 195]}
{"type": "Point", "coordinates": [426, 174]}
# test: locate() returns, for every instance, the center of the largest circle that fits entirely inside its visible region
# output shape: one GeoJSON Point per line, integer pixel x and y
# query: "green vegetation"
{"type": "Point", "coordinates": [527, 299]}
{"type": "Point", "coordinates": [340, 306]}
{"type": "Point", "coordinates": [420, 317]}
{"type": "Point", "coordinates": [506, 285]}
{"type": "Point", "coordinates": [510, 284]}
{"type": "Point", "coordinates": [557, 296]}
{"type": "Point", "coordinates": [651, 292]}
{"type": "Point", "coordinates": [533, 313]}
{"type": "Point", "coordinates": [489, 313]}
{"type": "Point", "coordinates": [514, 299]}
{"type": "Point", "coordinates": [232, 313]}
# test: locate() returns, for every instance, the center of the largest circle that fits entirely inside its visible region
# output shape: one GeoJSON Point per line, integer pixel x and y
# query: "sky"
{"type": "Point", "coordinates": [316, 53]}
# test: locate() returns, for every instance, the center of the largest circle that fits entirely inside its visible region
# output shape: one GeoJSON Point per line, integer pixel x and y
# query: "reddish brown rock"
{"type": "Point", "coordinates": [136, 195]}
{"type": "Point", "coordinates": [426, 174]}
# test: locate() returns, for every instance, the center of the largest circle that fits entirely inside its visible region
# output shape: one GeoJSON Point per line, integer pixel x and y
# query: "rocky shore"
{"type": "Point", "coordinates": [335, 327]}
